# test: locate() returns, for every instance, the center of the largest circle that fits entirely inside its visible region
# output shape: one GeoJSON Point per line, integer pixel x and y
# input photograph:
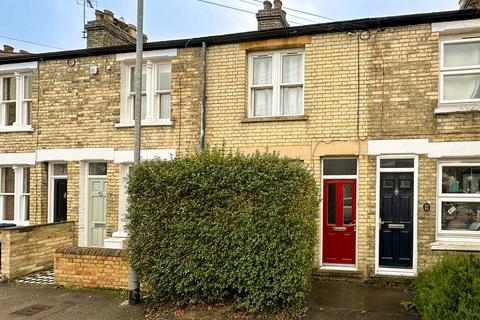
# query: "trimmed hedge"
{"type": "Point", "coordinates": [450, 290]}
{"type": "Point", "coordinates": [216, 227]}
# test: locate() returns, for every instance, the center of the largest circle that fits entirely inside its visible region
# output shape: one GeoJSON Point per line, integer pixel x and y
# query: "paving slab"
{"type": "Point", "coordinates": [25, 301]}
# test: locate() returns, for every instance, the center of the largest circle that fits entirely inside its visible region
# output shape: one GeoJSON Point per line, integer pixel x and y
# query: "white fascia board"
{"type": "Point", "coordinates": [456, 26]}
{"type": "Point", "coordinates": [405, 146]}
{"type": "Point", "coordinates": [162, 154]}
{"type": "Point", "coordinates": [454, 149]}
{"type": "Point", "coordinates": [155, 54]}
{"type": "Point", "coordinates": [27, 159]}
{"type": "Point", "coordinates": [86, 154]}
{"type": "Point", "coordinates": [18, 67]}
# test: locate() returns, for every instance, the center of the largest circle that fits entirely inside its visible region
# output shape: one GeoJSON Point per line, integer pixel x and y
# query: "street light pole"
{"type": "Point", "coordinates": [133, 283]}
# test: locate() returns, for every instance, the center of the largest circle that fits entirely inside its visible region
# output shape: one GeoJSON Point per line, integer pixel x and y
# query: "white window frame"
{"type": "Point", "coordinates": [51, 179]}
{"type": "Point", "coordinates": [448, 71]}
{"type": "Point", "coordinates": [19, 195]}
{"type": "Point", "coordinates": [21, 112]}
{"type": "Point", "coordinates": [454, 235]}
{"type": "Point", "coordinates": [152, 117]}
{"type": "Point", "coordinates": [277, 85]}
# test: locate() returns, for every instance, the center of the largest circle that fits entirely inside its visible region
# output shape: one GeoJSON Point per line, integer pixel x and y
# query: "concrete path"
{"type": "Point", "coordinates": [25, 301]}
{"type": "Point", "coordinates": [338, 300]}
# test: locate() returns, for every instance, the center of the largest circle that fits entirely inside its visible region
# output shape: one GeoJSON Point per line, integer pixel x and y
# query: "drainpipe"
{"type": "Point", "coordinates": [204, 96]}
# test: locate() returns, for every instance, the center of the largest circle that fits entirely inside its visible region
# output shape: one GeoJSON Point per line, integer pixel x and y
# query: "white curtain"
{"type": "Point", "coordinates": [262, 102]}
{"type": "Point", "coordinates": [165, 103]}
{"type": "Point", "coordinates": [292, 100]}
{"type": "Point", "coordinates": [292, 69]}
{"type": "Point", "coordinates": [262, 71]}
{"type": "Point", "coordinates": [164, 72]}
{"type": "Point", "coordinates": [462, 54]}
{"type": "Point", "coordinates": [462, 87]}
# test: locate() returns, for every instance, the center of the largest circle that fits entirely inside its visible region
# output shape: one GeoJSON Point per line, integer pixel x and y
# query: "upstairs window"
{"type": "Point", "coordinates": [276, 83]}
{"type": "Point", "coordinates": [15, 101]}
{"type": "Point", "coordinates": [460, 71]}
{"type": "Point", "coordinates": [156, 94]}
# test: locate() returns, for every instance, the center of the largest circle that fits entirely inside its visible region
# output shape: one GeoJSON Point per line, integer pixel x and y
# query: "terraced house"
{"type": "Point", "coordinates": [383, 111]}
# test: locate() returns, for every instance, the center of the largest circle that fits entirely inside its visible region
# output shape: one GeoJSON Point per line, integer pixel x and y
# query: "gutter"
{"type": "Point", "coordinates": [331, 27]}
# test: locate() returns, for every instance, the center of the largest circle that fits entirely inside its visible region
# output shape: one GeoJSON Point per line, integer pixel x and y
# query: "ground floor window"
{"type": "Point", "coordinates": [459, 200]}
{"type": "Point", "coordinates": [14, 194]}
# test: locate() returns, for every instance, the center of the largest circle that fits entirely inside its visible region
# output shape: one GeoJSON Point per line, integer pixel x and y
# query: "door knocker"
{"type": "Point", "coordinates": [397, 192]}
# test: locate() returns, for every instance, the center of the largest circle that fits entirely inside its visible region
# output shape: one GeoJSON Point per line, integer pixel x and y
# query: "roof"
{"type": "Point", "coordinates": [340, 26]}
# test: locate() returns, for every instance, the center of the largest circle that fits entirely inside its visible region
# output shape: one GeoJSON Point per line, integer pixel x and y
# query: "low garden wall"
{"type": "Point", "coordinates": [25, 250]}
{"type": "Point", "coordinates": [91, 267]}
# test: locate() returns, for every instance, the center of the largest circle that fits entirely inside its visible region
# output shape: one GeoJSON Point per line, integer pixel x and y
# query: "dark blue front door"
{"type": "Point", "coordinates": [396, 225]}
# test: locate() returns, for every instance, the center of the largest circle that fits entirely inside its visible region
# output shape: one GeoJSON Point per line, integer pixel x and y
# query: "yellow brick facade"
{"type": "Point", "coordinates": [396, 99]}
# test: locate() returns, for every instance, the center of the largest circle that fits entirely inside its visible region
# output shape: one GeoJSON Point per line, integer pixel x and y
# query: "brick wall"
{"type": "Point", "coordinates": [91, 267]}
{"type": "Point", "coordinates": [29, 249]}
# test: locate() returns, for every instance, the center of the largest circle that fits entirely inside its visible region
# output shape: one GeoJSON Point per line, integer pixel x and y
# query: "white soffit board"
{"type": "Point", "coordinates": [405, 146]}
{"type": "Point", "coordinates": [18, 67]}
{"type": "Point", "coordinates": [85, 154]}
{"type": "Point", "coordinates": [17, 159]}
{"type": "Point", "coordinates": [166, 53]}
{"type": "Point", "coordinates": [162, 154]}
{"type": "Point", "coordinates": [456, 25]}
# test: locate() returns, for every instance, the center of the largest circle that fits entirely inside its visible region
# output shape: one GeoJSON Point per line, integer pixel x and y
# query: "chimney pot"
{"type": "Point", "coordinates": [269, 18]}
{"type": "Point", "coordinates": [7, 48]}
{"type": "Point", "coordinates": [278, 4]}
{"type": "Point", "coordinates": [108, 15]}
{"type": "Point", "coordinates": [132, 30]}
{"type": "Point", "coordinates": [267, 5]}
{"type": "Point", "coordinates": [24, 52]}
{"type": "Point", "coordinates": [98, 15]}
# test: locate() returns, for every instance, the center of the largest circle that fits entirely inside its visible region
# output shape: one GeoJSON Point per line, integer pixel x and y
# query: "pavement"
{"type": "Point", "coordinates": [26, 301]}
{"type": "Point", "coordinates": [329, 300]}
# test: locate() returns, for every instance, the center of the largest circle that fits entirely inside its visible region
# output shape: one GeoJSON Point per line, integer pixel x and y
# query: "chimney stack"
{"type": "Point", "coordinates": [10, 51]}
{"type": "Point", "coordinates": [469, 4]}
{"type": "Point", "coordinates": [272, 17]}
{"type": "Point", "coordinates": [108, 31]}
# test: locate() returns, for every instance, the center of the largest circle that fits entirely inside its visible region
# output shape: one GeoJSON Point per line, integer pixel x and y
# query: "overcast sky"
{"type": "Point", "coordinates": [59, 23]}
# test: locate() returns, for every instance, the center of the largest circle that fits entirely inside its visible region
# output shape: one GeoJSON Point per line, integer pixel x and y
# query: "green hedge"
{"type": "Point", "coordinates": [450, 290]}
{"type": "Point", "coordinates": [216, 227]}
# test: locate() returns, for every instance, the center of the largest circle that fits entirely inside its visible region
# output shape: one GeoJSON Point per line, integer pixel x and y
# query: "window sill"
{"type": "Point", "coordinates": [455, 246]}
{"type": "Point", "coordinates": [145, 124]}
{"type": "Point", "coordinates": [16, 129]}
{"type": "Point", "coordinates": [275, 119]}
{"type": "Point", "coordinates": [445, 108]}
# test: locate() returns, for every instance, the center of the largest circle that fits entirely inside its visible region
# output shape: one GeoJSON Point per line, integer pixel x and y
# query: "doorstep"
{"type": "Point", "coordinates": [330, 274]}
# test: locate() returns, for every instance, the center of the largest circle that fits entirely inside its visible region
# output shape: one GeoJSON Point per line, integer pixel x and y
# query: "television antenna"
{"type": "Point", "coordinates": [90, 4]}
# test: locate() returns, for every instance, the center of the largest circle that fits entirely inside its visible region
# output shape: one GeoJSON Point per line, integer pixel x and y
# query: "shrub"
{"type": "Point", "coordinates": [218, 226]}
{"type": "Point", "coordinates": [450, 290]}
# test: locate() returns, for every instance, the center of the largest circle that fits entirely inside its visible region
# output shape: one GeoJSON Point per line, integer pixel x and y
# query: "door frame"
{"type": "Point", "coordinates": [87, 200]}
{"type": "Point", "coordinates": [397, 271]}
{"type": "Point", "coordinates": [51, 189]}
{"type": "Point", "coordinates": [328, 266]}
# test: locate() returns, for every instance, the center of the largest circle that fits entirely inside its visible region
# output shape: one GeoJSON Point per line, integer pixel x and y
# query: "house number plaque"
{"type": "Point", "coordinates": [426, 207]}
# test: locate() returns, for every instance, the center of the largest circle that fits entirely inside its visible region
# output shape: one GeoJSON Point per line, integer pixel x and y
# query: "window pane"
{"type": "Point", "coordinates": [397, 163]}
{"type": "Point", "coordinates": [144, 106]}
{"type": "Point", "coordinates": [9, 88]}
{"type": "Point", "coordinates": [97, 169]}
{"type": "Point", "coordinates": [340, 167]}
{"type": "Point", "coordinates": [165, 106]}
{"type": "Point", "coordinates": [292, 68]}
{"type": "Point", "coordinates": [60, 169]}
{"type": "Point", "coordinates": [464, 216]}
{"type": "Point", "coordinates": [292, 101]}
{"type": "Point", "coordinates": [26, 180]}
{"type": "Point", "coordinates": [164, 76]}
{"type": "Point", "coordinates": [26, 207]}
{"type": "Point", "coordinates": [8, 207]}
{"type": "Point", "coordinates": [262, 70]}
{"type": "Point", "coordinates": [132, 79]}
{"type": "Point", "coordinates": [28, 112]}
{"type": "Point", "coordinates": [8, 181]}
{"type": "Point", "coordinates": [461, 180]}
{"type": "Point", "coordinates": [332, 205]}
{"type": "Point", "coordinates": [262, 102]}
{"type": "Point", "coordinates": [27, 87]}
{"type": "Point", "coordinates": [10, 113]}
{"type": "Point", "coordinates": [462, 54]}
{"type": "Point", "coordinates": [347, 203]}
{"type": "Point", "coordinates": [461, 87]}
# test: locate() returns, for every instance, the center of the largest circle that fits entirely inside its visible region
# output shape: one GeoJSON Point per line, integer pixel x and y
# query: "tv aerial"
{"type": "Point", "coordinates": [87, 4]}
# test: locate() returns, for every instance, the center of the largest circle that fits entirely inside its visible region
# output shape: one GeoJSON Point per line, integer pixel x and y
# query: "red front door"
{"type": "Point", "coordinates": [339, 221]}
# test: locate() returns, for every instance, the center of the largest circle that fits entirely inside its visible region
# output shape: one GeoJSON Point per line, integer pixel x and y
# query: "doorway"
{"type": "Point", "coordinates": [96, 204]}
{"type": "Point", "coordinates": [58, 192]}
